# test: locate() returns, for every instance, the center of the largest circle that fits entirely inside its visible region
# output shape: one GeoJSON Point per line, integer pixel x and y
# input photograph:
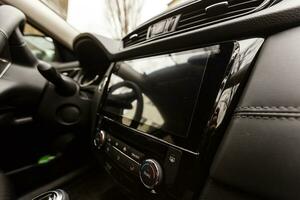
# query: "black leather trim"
{"type": "Point", "coordinates": [260, 153]}
{"type": "Point", "coordinates": [275, 81]}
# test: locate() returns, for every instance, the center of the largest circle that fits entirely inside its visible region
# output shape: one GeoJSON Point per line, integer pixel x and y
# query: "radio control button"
{"type": "Point", "coordinates": [109, 140]}
{"type": "Point", "coordinates": [116, 144]}
{"type": "Point", "coordinates": [115, 155]}
{"type": "Point", "coordinates": [124, 148]}
{"type": "Point", "coordinates": [133, 167]}
{"type": "Point", "coordinates": [136, 155]}
{"type": "Point", "coordinates": [107, 148]}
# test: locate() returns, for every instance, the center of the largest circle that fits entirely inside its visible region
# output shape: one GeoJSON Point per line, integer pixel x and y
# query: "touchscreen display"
{"type": "Point", "coordinates": [158, 94]}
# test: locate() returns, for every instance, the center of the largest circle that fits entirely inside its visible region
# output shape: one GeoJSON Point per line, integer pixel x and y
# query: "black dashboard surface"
{"type": "Point", "coordinates": [258, 157]}
{"type": "Point", "coordinates": [252, 161]}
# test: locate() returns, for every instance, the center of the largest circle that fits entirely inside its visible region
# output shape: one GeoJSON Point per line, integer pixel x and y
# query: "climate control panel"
{"type": "Point", "coordinates": [149, 171]}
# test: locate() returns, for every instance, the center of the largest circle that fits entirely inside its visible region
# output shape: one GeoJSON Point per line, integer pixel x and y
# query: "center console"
{"type": "Point", "coordinates": [159, 117]}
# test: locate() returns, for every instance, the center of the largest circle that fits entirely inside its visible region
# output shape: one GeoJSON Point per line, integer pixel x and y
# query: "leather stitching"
{"type": "Point", "coordinates": [269, 108]}
{"type": "Point", "coordinates": [268, 112]}
{"type": "Point", "coordinates": [292, 118]}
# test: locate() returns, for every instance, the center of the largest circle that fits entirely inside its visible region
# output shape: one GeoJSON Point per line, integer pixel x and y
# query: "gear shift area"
{"type": "Point", "coordinates": [53, 195]}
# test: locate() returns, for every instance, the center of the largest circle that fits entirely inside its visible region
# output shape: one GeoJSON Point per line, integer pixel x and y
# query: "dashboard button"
{"type": "Point", "coordinates": [124, 148]}
{"type": "Point", "coordinates": [118, 157]}
{"type": "Point", "coordinates": [136, 155]}
{"type": "Point", "coordinates": [115, 142]}
{"type": "Point", "coordinates": [122, 160]}
{"type": "Point", "coordinates": [133, 167]}
{"type": "Point", "coordinates": [109, 140]}
{"type": "Point", "coordinates": [171, 165]}
{"type": "Point", "coordinates": [107, 148]}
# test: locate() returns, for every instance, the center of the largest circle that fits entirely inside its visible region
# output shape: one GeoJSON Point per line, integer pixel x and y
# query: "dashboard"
{"type": "Point", "coordinates": [180, 103]}
{"type": "Point", "coordinates": [171, 93]}
{"type": "Point", "coordinates": [200, 102]}
{"type": "Point", "coordinates": [158, 111]}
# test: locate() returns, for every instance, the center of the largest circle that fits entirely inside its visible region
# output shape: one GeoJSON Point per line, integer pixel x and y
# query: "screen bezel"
{"type": "Point", "coordinates": [202, 109]}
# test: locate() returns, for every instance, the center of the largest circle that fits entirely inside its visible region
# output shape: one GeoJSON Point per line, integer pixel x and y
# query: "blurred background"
{"type": "Point", "coordinates": [109, 18]}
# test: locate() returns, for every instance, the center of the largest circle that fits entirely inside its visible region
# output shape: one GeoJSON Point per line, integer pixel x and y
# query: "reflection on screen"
{"type": "Point", "coordinates": [158, 94]}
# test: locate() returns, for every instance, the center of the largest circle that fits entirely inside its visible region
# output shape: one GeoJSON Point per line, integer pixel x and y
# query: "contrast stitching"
{"type": "Point", "coordinates": [269, 107]}
{"type": "Point", "coordinates": [292, 118]}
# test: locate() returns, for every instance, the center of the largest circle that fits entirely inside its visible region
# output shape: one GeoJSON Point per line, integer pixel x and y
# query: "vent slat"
{"type": "Point", "coordinates": [235, 8]}
{"type": "Point", "coordinates": [192, 13]}
{"type": "Point", "coordinates": [214, 19]}
{"type": "Point", "coordinates": [185, 19]}
{"type": "Point", "coordinates": [231, 2]}
{"type": "Point", "coordinates": [244, 5]}
{"type": "Point", "coordinates": [141, 36]}
{"type": "Point", "coordinates": [208, 21]}
{"type": "Point", "coordinates": [131, 42]}
{"type": "Point", "coordinates": [244, 2]}
{"type": "Point", "coordinates": [194, 16]}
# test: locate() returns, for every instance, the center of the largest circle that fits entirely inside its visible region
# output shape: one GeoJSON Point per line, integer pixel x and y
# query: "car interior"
{"type": "Point", "coordinates": [197, 103]}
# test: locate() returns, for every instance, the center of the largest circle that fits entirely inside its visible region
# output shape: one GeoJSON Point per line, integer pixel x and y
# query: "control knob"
{"type": "Point", "coordinates": [150, 173]}
{"type": "Point", "coordinates": [99, 139]}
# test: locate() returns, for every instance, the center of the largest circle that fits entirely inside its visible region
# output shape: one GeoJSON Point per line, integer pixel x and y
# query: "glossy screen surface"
{"type": "Point", "coordinates": [157, 95]}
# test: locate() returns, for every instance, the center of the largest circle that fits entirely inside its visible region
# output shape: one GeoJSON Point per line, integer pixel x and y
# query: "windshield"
{"type": "Point", "coordinates": [109, 18]}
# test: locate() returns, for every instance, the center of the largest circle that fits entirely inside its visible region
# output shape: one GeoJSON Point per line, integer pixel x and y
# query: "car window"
{"type": "Point", "coordinates": [110, 18]}
{"type": "Point", "coordinates": [41, 45]}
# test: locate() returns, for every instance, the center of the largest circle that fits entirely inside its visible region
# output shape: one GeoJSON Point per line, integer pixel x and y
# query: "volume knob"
{"type": "Point", "coordinates": [99, 139]}
{"type": "Point", "coordinates": [151, 173]}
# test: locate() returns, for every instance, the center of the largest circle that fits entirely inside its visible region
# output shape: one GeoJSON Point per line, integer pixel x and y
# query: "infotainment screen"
{"type": "Point", "coordinates": [158, 94]}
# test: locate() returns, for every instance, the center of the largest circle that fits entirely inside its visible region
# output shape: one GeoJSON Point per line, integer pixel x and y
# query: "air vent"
{"type": "Point", "coordinates": [197, 15]}
{"type": "Point", "coordinates": [224, 10]}
{"type": "Point", "coordinates": [136, 37]}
